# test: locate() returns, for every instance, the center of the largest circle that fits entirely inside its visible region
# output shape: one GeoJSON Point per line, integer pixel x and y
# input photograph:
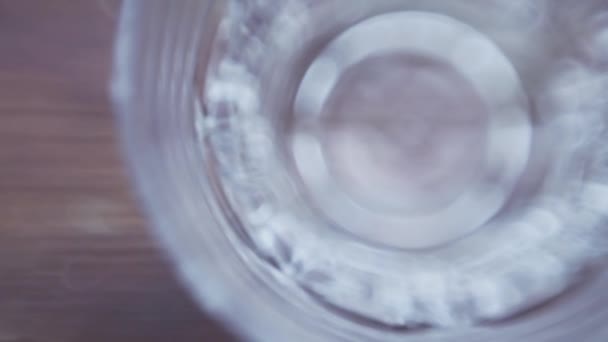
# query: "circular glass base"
{"type": "Point", "coordinates": [392, 132]}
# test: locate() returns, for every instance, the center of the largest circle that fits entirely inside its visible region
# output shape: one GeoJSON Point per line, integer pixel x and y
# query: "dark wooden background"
{"type": "Point", "coordinates": [77, 262]}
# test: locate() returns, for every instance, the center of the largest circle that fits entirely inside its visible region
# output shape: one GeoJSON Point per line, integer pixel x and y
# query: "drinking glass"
{"type": "Point", "coordinates": [389, 170]}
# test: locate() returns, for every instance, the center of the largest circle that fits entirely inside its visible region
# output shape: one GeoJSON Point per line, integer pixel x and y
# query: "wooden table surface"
{"type": "Point", "coordinates": [77, 262]}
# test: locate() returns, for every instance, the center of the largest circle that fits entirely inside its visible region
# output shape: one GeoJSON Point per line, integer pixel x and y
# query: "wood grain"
{"type": "Point", "coordinates": [77, 262]}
